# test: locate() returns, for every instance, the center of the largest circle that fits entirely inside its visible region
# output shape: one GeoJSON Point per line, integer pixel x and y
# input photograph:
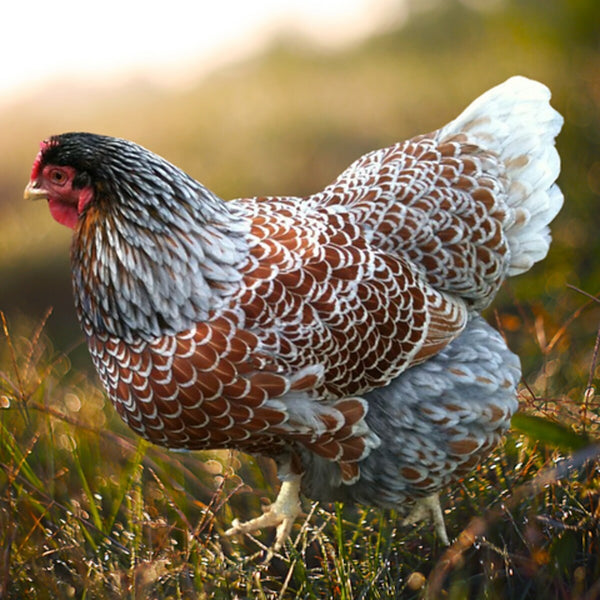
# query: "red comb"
{"type": "Point", "coordinates": [35, 170]}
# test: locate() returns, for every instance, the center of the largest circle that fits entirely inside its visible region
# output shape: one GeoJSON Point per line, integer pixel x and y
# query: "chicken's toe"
{"type": "Point", "coordinates": [281, 514]}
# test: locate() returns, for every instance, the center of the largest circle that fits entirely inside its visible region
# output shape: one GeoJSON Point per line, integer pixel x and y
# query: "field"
{"type": "Point", "coordinates": [87, 510]}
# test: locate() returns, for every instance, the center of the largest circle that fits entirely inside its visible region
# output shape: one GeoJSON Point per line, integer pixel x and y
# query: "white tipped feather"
{"type": "Point", "coordinates": [515, 121]}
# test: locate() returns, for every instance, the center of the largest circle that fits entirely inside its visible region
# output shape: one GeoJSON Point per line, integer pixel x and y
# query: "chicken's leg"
{"type": "Point", "coordinates": [281, 514]}
{"type": "Point", "coordinates": [429, 508]}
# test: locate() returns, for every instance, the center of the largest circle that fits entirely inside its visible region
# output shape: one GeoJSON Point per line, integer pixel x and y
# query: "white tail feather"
{"type": "Point", "coordinates": [515, 121]}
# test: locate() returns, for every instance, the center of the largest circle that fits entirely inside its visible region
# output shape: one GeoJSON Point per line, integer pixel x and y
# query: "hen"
{"type": "Point", "coordinates": [339, 333]}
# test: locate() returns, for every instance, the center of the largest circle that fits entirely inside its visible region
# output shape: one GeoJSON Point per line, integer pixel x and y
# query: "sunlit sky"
{"type": "Point", "coordinates": [168, 40]}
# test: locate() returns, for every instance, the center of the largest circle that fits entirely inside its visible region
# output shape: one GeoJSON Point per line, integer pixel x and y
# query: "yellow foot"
{"type": "Point", "coordinates": [429, 509]}
{"type": "Point", "coordinates": [281, 514]}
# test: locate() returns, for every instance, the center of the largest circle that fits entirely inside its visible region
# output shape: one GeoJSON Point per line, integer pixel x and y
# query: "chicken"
{"type": "Point", "coordinates": [338, 333]}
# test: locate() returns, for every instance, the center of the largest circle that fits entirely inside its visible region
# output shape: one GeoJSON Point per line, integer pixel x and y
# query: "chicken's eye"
{"type": "Point", "coordinates": [58, 177]}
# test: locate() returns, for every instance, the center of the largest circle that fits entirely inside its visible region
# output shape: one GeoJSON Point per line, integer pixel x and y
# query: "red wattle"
{"type": "Point", "coordinates": [64, 213]}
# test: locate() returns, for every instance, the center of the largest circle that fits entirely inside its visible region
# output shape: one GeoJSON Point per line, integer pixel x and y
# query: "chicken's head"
{"type": "Point", "coordinates": [62, 181]}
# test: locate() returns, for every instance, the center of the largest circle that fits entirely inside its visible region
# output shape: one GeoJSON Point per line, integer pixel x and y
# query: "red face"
{"type": "Point", "coordinates": [55, 184]}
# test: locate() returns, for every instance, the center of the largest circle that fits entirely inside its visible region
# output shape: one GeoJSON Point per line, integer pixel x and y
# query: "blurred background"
{"type": "Point", "coordinates": [270, 97]}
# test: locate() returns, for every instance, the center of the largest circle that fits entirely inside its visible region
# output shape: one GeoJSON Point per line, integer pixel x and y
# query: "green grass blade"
{"type": "Point", "coordinates": [126, 482]}
{"type": "Point", "coordinates": [549, 432]}
{"type": "Point", "coordinates": [95, 513]}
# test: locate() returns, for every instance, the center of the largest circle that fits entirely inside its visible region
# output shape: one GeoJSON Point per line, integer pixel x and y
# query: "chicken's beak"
{"type": "Point", "coordinates": [34, 193]}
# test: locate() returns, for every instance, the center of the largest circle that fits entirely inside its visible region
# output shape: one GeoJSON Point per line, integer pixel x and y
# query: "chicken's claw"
{"type": "Point", "coordinates": [281, 514]}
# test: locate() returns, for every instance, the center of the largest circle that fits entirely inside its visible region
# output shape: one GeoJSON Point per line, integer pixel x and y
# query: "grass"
{"type": "Point", "coordinates": [87, 510]}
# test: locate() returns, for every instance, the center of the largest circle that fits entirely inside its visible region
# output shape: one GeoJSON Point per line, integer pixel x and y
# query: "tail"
{"type": "Point", "coordinates": [467, 204]}
{"type": "Point", "coordinates": [515, 121]}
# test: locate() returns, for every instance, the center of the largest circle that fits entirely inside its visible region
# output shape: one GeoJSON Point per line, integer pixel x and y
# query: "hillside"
{"type": "Point", "coordinates": [289, 121]}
